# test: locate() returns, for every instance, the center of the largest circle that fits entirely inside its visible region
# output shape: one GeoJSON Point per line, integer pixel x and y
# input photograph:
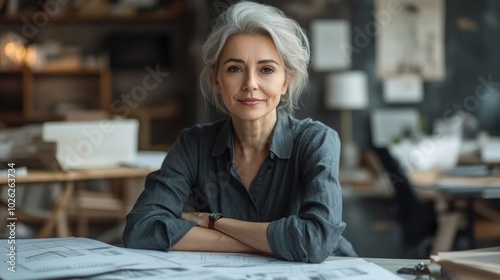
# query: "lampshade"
{"type": "Point", "coordinates": [12, 50]}
{"type": "Point", "coordinates": [346, 90]}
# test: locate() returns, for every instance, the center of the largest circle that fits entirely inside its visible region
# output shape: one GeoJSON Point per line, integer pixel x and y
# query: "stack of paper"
{"type": "Point", "coordinates": [70, 258]}
{"type": "Point", "coordinates": [481, 264]}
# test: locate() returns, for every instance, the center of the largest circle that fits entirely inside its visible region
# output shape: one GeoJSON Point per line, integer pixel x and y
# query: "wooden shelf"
{"type": "Point", "coordinates": [169, 111]}
{"type": "Point", "coordinates": [11, 116]}
{"type": "Point", "coordinates": [36, 93]}
{"type": "Point", "coordinates": [11, 71]}
{"type": "Point", "coordinates": [79, 71]}
{"type": "Point", "coordinates": [163, 15]}
{"type": "Point", "coordinates": [146, 115]}
{"type": "Point", "coordinates": [50, 94]}
{"type": "Point", "coordinates": [93, 19]}
{"type": "Point", "coordinates": [18, 117]}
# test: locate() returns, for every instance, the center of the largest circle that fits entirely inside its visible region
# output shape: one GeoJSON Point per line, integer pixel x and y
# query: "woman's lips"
{"type": "Point", "coordinates": [250, 101]}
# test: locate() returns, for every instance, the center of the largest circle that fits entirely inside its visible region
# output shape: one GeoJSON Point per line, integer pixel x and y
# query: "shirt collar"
{"type": "Point", "coordinates": [224, 139]}
{"type": "Point", "coordinates": [281, 143]}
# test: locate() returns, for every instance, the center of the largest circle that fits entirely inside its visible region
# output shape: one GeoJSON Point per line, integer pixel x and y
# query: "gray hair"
{"type": "Point", "coordinates": [253, 18]}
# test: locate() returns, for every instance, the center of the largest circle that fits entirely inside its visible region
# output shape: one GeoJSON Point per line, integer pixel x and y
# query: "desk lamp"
{"type": "Point", "coordinates": [347, 91]}
{"type": "Point", "coordinates": [12, 51]}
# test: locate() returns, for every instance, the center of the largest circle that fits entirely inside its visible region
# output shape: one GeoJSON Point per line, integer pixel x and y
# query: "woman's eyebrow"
{"type": "Point", "coordinates": [268, 61]}
{"type": "Point", "coordinates": [259, 62]}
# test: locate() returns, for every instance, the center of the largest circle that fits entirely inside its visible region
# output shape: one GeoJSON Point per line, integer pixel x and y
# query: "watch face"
{"type": "Point", "coordinates": [215, 216]}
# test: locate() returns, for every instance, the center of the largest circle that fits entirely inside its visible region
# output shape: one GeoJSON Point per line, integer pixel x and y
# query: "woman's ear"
{"type": "Point", "coordinates": [215, 81]}
{"type": "Point", "coordinates": [285, 87]}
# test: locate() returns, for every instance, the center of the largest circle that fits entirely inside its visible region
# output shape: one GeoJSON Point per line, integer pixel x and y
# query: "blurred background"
{"type": "Point", "coordinates": [418, 78]}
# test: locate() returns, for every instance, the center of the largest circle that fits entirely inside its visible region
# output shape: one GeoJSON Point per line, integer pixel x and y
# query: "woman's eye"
{"type": "Point", "coordinates": [234, 69]}
{"type": "Point", "coordinates": [267, 70]}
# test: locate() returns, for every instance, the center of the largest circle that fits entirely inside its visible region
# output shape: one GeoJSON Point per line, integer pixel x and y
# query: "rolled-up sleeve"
{"type": "Point", "coordinates": [154, 222]}
{"type": "Point", "coordinates": [316, 232]}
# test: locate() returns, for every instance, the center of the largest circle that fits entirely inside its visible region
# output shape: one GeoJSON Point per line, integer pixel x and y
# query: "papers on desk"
{"type": "Point", "coordinates": [487, 187]}
{"type": "Point", "coordinates": [79, 257]}
{"type": "Point", "coordinates": [490, 150]}
{"type": "Point", "coordinates": [481, 264]}
{"type": "Point", "coordinates": [249, 266]}
{"type": "Point", "coordinates": [468, 170]}
{"type": "Point", "coordinates": [50, 258]}
{"type": "Point", "coordinates": [147, 159]}
{"type": "Point", "coordinates": [19, 171]}
{"type": "Point", "coordinates": [468, 182]}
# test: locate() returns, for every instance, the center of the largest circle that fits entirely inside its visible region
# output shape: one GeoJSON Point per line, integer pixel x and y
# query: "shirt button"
{"type": "Point", "coordinates": [272, 155]}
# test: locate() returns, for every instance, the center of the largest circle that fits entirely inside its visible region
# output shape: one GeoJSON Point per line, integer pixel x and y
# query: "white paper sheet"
{"type": "Point", "coordinates": [77, 257]}
{"type": "Point", "coordinates": [201, 259]}
{"type": "Point", "coordinates": [490, 150]}
{"type": "Point", "coordinates": [262, 267]}
{"type": "Point", "coordinates": [331, 45]}
{"type": "Point", "coordinates": [390, 124]}
{"type": "Point", "coordinates": [147, 159]}
{"type": "Point", "coordinates": [358, 269]}
{"type": "Point", "coordinates": [163, 274]}
{"type": "Point", "coordinates": [63, 257]}
{"type": "Point", "coordinates": [409, 38]}
{"type": "Point", "coordinates": [403, 89]}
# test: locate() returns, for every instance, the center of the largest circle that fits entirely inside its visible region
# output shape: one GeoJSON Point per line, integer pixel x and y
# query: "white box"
{"type": "Point", "coordinates": [93, 144]}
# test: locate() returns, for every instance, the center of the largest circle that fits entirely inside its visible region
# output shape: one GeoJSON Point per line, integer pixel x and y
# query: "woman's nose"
{"type": "Point", "coordinates": [250, 82]}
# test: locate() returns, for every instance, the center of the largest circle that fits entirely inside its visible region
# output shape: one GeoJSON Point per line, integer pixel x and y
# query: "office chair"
{"type": "Point", "coordinates": [416, 217]}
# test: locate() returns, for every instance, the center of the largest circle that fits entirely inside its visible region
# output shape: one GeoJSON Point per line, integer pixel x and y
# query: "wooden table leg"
{"type": "Point", "coordinates": [82, 221]}
{"type": "Point", "coordinates": [132, 188]}
{"type": "Point", "coordinates": [58, 218]}
{"type": "Point", "coordinates": [448, 226]}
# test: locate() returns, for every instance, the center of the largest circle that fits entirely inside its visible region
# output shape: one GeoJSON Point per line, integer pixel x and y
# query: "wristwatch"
{"type": "Point", "coordinates": [212, 218]}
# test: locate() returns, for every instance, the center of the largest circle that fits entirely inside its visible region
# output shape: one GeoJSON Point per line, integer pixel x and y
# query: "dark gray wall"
{"type": "Point", "coordinates": [469, 55]}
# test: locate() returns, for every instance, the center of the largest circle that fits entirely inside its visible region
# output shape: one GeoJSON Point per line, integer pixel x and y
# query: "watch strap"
{"type": "Point", "coordinates": [212, 218]}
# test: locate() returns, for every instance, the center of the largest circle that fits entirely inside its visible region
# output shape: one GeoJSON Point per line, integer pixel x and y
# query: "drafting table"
{"type": "Point", "coordinates": [132, 179]}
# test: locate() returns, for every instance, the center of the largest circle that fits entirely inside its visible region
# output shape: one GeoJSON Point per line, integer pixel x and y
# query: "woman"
{"type": "Point", "coordinates": [259, 181]}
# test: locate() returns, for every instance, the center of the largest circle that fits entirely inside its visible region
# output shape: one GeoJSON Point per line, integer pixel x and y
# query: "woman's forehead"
{"type": "Point", "coordinates": [258, 46]}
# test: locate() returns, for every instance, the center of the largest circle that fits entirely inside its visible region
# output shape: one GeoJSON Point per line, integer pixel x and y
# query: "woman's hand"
{"type": "Point", "coordinates": [246, 236]}
{"type": "Point", "coordinates": [200, 218]}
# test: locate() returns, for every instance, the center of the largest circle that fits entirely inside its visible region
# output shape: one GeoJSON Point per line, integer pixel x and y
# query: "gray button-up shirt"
{"type": "Point", "coordinates": [296, 189]}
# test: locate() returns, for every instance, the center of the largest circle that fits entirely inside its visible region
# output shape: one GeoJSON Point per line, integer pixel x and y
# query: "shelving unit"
{"type": "Point", "coordinates": [11, 93]}
{"type": "Point", "coordinates": [36, 96]}
{"type": "Point", "coordinates": [88, 89]}
{"type": "Point", "coordinates": [44, 95]}
{"type": "Point", "coordinates": [163, 15]}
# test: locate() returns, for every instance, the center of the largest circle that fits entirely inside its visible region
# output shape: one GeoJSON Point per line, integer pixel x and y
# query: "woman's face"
{"type": "Point", "coordinates": [250, 76]}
